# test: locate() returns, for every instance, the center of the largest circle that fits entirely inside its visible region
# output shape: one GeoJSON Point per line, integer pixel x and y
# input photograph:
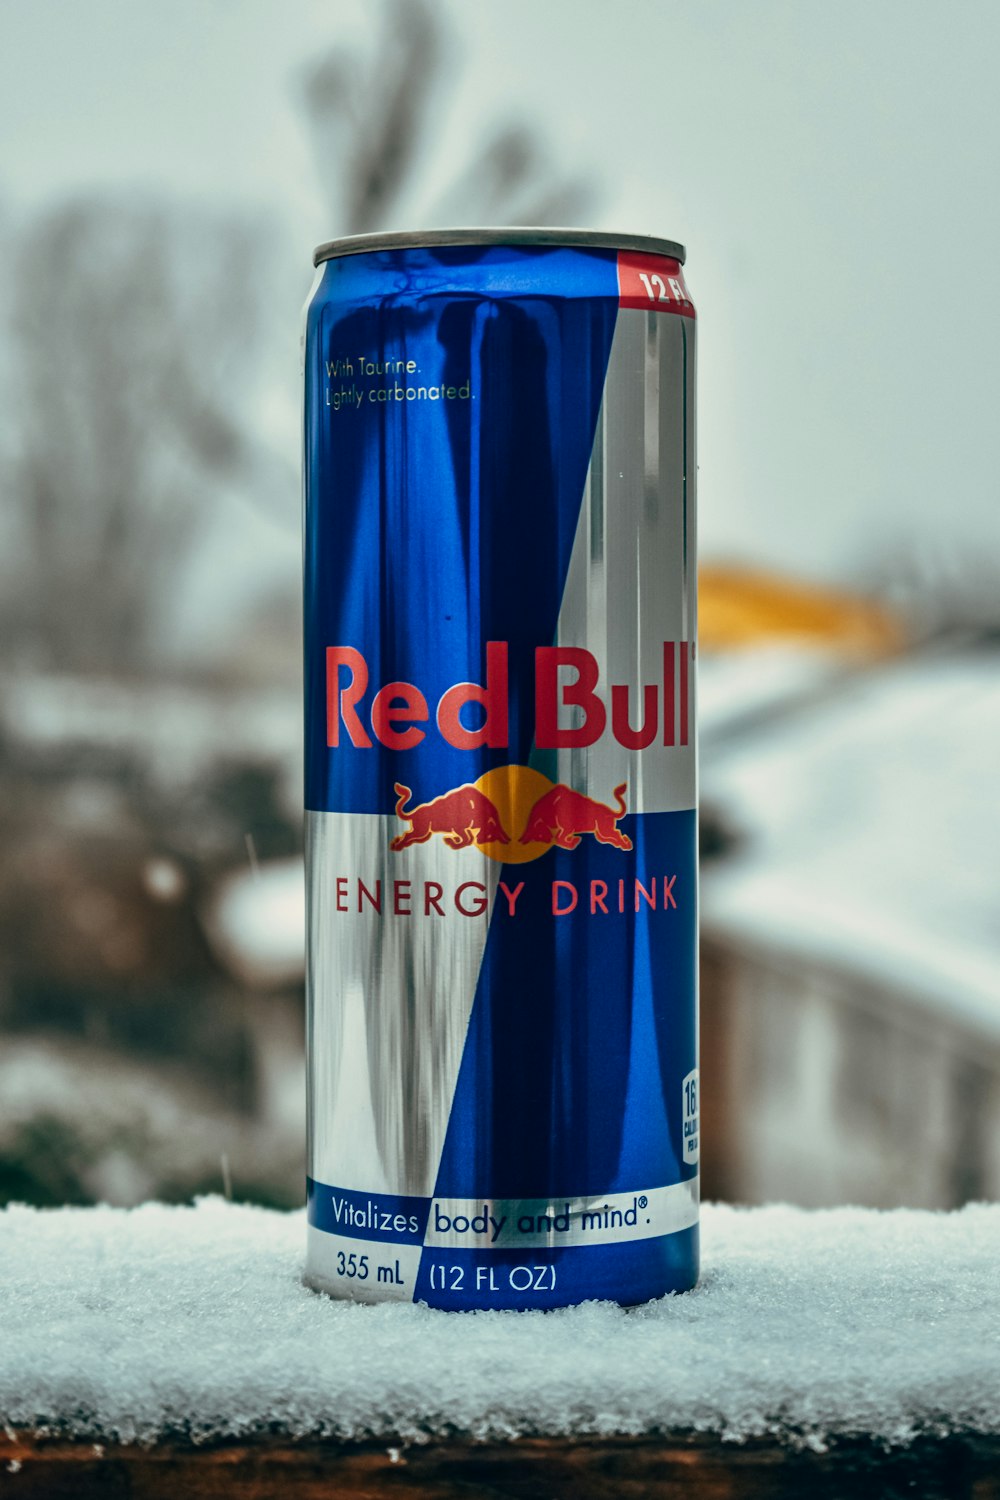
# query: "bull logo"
{"type": "Point", "coordinates": [458, 815]}
{"type": "Point", "coordinates": [512, 814]}
{"type": "Point", "coordinates": [561, 816]}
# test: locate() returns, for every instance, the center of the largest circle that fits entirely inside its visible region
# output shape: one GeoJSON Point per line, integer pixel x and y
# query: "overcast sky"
{"type": "Point", "coordinates": [832, 169]}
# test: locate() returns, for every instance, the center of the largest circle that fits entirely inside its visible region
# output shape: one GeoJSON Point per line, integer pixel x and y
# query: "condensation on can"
{"type": "Point", "coordinates": [501, 836]}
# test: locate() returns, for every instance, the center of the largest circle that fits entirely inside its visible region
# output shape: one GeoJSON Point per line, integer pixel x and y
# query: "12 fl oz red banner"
{"type": "Point", "coordinates": [654, 282]}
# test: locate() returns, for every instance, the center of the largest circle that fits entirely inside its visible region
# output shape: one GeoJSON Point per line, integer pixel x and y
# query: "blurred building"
{"type": "Point", "coordinates": [851, 938]}
{"type": "Point", "coordinates": [740, 607]}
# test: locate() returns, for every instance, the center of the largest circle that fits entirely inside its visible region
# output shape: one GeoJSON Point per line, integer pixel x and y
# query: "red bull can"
{"type": "Point", "coordinates": [500, 634]}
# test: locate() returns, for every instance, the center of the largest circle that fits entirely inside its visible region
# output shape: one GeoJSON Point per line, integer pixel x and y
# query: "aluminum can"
{"type": "Point", "coordinates": [500, 769]}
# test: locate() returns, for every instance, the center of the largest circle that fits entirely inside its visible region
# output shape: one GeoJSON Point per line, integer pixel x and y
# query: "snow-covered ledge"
{"type": "Point", "coordinates": [190, 1326]}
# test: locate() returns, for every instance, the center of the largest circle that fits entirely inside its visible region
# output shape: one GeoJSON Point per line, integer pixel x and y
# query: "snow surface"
{"type": "Point", "coordinates": [130, 1324]}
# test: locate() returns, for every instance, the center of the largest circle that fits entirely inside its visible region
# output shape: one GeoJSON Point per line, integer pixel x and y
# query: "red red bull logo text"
{"type": "Point", "coordinates": [566, 678]}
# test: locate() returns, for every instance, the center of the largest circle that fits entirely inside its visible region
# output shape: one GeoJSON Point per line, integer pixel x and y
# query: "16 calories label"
{"type": "Point", "coordinates": [690, 1109]}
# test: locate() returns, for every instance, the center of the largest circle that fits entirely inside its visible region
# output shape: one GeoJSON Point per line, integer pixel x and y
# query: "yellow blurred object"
{"type": "Point", "coordinates": [744, 607]}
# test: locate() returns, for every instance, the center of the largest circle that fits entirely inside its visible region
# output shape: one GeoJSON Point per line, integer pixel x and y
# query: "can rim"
{"type": "Point", "coordinates": [416, 239]}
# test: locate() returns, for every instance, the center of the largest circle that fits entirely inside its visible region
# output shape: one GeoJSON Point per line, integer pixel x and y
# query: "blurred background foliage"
{"type": "Point", "coordinates": [150, 787]}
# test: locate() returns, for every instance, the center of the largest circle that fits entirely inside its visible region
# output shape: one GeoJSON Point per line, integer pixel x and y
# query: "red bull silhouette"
{"type": "Point", "coordinates": [457, 815]}
{"type": "Point", "coordinates": [562, 816]}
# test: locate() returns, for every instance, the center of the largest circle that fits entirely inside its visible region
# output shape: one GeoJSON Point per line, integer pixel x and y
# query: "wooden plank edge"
{"type": "Point", "coordinates": [695, 1466]}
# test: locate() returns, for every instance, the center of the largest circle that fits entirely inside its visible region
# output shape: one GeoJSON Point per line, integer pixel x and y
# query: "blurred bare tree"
{"type": "Point", "coordinates": [147, 365]}
{"type": "Point", "coordinates": [370, 156]}
{"type": "Point", "coordinates": [126, 322]}
{"type": "Point", "coordinates": [132, 324]}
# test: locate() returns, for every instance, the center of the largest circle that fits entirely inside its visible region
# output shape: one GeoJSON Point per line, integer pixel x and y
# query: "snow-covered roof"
{"type": "Point", "coordinates": [871, 823]}
{"type": "Point", "coordinates": [131, 1324]}
{"type": "Point", "coordinates": [739, 688]}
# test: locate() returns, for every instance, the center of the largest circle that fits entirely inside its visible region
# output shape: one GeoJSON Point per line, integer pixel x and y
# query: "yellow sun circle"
{"type": "Point", "coordinates": [514, 790]}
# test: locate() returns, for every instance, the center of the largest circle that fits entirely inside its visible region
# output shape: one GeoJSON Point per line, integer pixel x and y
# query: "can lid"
{"type": "Point", "coordinates": [593, 239]}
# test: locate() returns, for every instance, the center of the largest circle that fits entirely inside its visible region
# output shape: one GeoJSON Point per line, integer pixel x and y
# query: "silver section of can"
{"type": "Point", "coordinates": [631, 581]}
{"type": "Point", "coordinates": [511, 1223]}
{"type": "Point", "coordinates": [362, 1270]}
{"type": "Point", "coordinates": [390, 994]}
{"type": "Point", "coordinates": [426, 239]}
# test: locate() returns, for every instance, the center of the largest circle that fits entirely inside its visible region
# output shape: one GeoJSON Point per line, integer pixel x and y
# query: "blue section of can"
{"type": "Point", "coordinates": [631, 1272]}
{"type": "Point", "coordinates": [426, 539]}
{"type": "Point", "coordinates": [582, 1028]}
